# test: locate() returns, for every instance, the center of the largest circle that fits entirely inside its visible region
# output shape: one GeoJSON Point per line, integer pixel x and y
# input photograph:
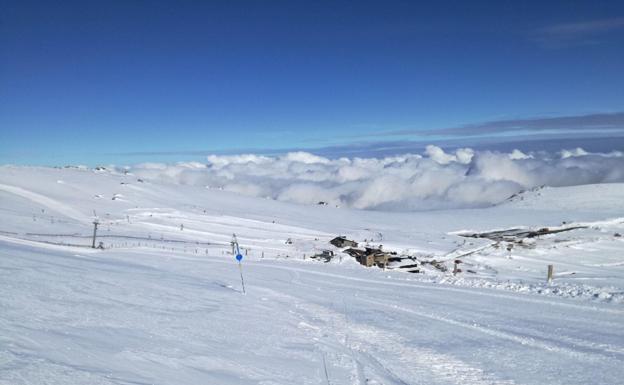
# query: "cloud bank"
{"type": "Point", "coordinates": [608, 123]}
{"type": "Point", "coordinates": [432, 180]}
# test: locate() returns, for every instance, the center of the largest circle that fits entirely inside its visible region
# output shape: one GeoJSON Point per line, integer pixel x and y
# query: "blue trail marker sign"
{"type": "Point", "coordinates": [239, 258]}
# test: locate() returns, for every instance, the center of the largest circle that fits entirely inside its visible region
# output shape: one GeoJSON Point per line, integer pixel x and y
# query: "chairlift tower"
{"type": "Point", "coordinates": [96, 222]}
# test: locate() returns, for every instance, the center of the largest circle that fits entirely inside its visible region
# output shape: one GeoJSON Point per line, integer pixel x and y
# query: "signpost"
{"type": "Point", "coordinates": [239, 258]}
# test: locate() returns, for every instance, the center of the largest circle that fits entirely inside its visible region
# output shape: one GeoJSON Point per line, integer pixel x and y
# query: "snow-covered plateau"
{"type": "Point", "coordinates": [161, 301]}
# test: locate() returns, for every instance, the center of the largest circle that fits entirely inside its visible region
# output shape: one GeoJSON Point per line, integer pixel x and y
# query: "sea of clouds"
{"type": "Point", "coordinates": [432, 180]}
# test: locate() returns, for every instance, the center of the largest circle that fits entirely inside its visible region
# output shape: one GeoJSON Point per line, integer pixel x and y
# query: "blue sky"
{"type": "Point", "coordinates": [129, 81]}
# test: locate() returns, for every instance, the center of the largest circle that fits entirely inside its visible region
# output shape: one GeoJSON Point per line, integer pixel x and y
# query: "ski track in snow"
{"type": "Point", "coordinates": [577, 347]}
{"type": "Point", "coordinates": [358, 341]}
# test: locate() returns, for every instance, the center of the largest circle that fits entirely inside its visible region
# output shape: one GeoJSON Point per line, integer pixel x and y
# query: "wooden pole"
{"type": "Point", "coordinates": [550, 273]}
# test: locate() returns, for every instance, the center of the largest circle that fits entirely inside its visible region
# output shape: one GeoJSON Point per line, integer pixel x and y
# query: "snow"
{"type": "Point", "coordinates": [162, 305]}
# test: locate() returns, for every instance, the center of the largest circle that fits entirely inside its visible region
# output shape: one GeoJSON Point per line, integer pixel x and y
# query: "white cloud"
{"type": "Point", "coordinates": [517, 154]}
{"type": "Point", "coordinates": [218, 161]}
{"type": "Point", "coordinates": [465, 178]}
{"type": "Point", "coordinates": [305, 157]}
{"type": "Point", "coordinates": [462, 155]}
{"type": "Point", "coordinates": [438, 155]}
{"type": "Point", "coordinates": [570, 153]}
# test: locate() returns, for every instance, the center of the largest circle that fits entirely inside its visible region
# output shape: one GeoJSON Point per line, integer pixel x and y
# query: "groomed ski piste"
{"type": "Point", "coordinates": [162, 303]}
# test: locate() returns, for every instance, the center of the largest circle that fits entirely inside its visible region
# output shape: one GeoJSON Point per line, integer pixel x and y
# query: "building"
{"type": "Point", "coordinates": [370, 256]}
{"type": "Point", "coordinates": [342, 241]}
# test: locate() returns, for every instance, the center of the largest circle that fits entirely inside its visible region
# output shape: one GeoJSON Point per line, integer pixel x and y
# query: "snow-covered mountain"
{"type": "Point", "coordinates": [161, 302]}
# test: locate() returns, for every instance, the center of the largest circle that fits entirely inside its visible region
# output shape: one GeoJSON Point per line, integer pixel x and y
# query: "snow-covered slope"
{"type": "Point", "coordinates": [154, 317]}
{"type": "Point", "coordinates": [57, 206]}
{"type": "Point", "coordinates": [604, 197]}
{"type": "Point", "coordinates": [161, 304]}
